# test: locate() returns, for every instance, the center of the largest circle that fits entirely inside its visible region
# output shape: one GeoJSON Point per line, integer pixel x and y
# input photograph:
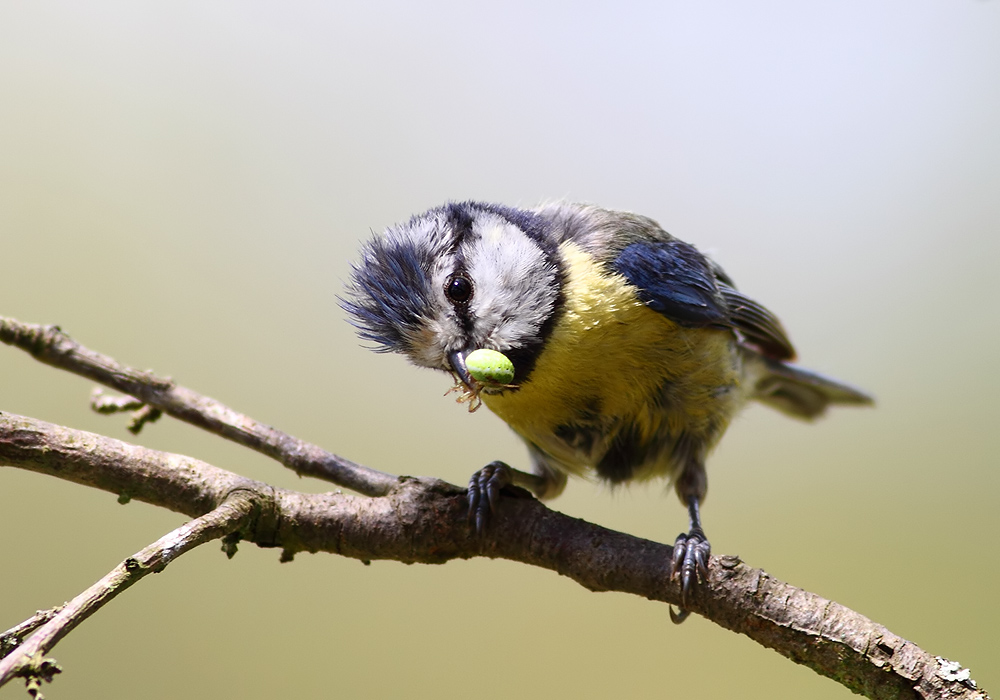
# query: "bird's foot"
{"type": "Point", "coordinates": [690, 563]}
{"type": "Point", "coordinates": [484, 492]}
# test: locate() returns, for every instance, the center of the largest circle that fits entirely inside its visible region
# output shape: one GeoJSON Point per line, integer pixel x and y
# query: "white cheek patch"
{"type": "Point", "coordinates": [515, 288]}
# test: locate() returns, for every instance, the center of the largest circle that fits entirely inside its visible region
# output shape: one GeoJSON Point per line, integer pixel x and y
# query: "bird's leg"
{"type": "Point", "coordinates": [690, 560]}
{"type": "Point", "coordinates": [486, 484]}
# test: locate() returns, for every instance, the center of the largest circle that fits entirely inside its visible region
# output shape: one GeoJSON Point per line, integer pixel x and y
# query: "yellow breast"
{"type": "Point", "coordinates": [610, 360]}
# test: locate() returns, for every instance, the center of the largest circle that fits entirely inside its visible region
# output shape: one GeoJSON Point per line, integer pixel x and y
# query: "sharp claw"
{"type": "Point", "coordinates": [703, 563]}
{"type": "Point", "coordinates": [689, 563]}
{"type": "Point", "coordinates": [679, 616]}
{"type": "Point", "coordinates": [484, 493]}
{"type": "Point", "coordinates": [678, 557]}
{"type": "Point", "coordinates": [493, 492]}
{"type": "Point", "coordinates": [473, 495]}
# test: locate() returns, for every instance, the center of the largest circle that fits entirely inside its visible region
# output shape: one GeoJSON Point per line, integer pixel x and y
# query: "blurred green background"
{"type": "Point", "coordinates": [183, 186]}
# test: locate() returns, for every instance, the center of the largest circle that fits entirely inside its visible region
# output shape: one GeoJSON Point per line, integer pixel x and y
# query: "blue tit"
{"type": "Point", "coordinates": [632, 351]}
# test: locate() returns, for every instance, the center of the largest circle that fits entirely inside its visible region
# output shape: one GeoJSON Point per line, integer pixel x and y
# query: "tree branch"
{"type": "Point", "coordinates": [27, 660]}
{"type": "Point", "coordinates": [424, 520]}
{"type": "Point", "coordinates": [12, 638]}
{"type": "Point", "coordinates": [50, 345]}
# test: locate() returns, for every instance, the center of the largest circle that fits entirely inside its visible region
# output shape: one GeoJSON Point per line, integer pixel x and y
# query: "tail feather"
{"type": "Point", "coordinates": [803, 393]}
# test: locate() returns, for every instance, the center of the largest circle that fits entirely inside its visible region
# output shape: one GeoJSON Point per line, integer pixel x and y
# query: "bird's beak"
{"type": "Point", "coordinates": [457, 361]}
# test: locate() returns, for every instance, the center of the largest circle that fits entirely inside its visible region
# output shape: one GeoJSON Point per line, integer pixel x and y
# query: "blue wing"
{"type": "Point", "coordinates": [676, 280]}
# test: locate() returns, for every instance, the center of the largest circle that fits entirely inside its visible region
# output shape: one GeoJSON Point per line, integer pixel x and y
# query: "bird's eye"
{"type": "Point", "coordinates": [458, 289]}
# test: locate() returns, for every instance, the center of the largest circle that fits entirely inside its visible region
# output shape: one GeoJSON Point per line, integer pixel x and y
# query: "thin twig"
{"type": "Point", "coordinates": [50, 345]}
{"type": "Point", "coordinates": [142, 413]}
{"type": "Point", "coordinates": [28, 660]}
{"type": "Point", "coordinates": [12, 638]}
{"type": "Point", "coordinates": [424, 520]}
{"type": "Point", "coordinates": [106, 404]}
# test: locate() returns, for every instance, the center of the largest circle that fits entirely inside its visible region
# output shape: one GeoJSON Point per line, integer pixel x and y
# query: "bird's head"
{"type": "Point", "coordinates": [455, 279]}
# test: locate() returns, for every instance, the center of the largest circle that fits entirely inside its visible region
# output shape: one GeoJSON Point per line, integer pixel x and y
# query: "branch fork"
{"type": "Point", "coordinates": [407, 519]}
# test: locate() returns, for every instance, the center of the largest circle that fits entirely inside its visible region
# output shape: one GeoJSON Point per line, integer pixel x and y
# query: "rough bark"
{"type": "Point", "coordinates": [421, 520]}
{"type": "Point", "coordinates": [424, 521]}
